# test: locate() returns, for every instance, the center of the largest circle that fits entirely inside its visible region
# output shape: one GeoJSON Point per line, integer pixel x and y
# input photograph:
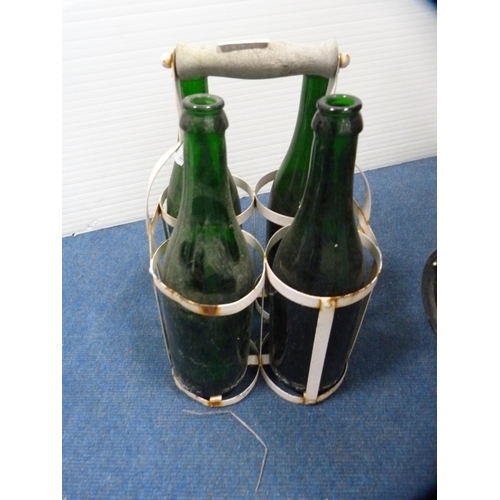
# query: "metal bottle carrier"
{"type": "Point", "coordinates": [259, 60]}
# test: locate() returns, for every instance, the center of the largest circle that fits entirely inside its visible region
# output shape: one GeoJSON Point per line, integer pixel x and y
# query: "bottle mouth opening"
{"type": "Point", "coordinates": [202, 103]}
{"type": "Point", "coordinates": [339, 104]}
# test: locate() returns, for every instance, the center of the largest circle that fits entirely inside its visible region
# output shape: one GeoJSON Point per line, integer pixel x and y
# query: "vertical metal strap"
{"type": "Point", "coordinates": [321, 338]}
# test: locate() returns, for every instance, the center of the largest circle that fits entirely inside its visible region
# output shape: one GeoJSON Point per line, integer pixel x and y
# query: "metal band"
{"type": "Point", "coordinates": [240, 218]}
{"type": "Point", "coordinates": [314, 301]}
{"type": "Point", "coordinates": [270, 215]}
{"type": "Point", "coordinates": [208, 309]}
{"type": "Point", "coordinates": [363, 214]}
{"type": "Point", "coordinates": [292, 398]}
{"type": "Point", "coordinates": [321, 338]}
{"type": "Point", "coordinates": [150, 222]}
{"type": "Point", "coordinates": [367, 203]}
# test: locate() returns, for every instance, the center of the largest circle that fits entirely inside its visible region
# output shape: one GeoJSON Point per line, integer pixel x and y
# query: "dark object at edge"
{"type": "Point", "coordinates": [429, 289]}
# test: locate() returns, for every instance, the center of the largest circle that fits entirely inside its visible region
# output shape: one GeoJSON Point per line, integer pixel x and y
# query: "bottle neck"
{"type": "Point", "coordinates": [206, 157]}
{"type": "Point", "coordinates": [329, 188]}
{"type": "Point", "coordinates": [313, 88]}
{"type": "Point", "coordinates": [194, 86]}
{"type": "Point", "coordinates": [206, 195]}
{"type": "Point", "coordinates": [190, 87]}
{"type": "Point", "coordinates": [290, 180]}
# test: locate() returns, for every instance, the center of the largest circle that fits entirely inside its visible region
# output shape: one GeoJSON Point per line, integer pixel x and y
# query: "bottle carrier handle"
{"type": "Point", "coordinates": [257, 59]}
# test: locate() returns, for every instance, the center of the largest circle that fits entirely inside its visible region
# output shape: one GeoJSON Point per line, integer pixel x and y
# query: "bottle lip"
{"type": "Point", "coordinates": [202, 103]}
{"type": "Point", "coordinates": [339, 104]}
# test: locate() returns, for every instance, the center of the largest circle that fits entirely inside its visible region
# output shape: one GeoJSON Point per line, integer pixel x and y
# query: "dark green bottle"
{"type": "Point", "coordinates": [190, 87]}
{"type": "Point", "coordinates": [207, 260]}
{"type": "Point", "coordinates": [288, 186]}
{"type": "Point", "coordinates": [322, 253]}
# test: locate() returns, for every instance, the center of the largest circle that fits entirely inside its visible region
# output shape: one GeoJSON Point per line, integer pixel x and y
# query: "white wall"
{"type": "Point", "coordinates": [119, 113]}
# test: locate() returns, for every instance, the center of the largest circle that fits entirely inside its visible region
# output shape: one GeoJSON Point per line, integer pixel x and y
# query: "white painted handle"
{"type": "Point", "coordinates": [257, 60]}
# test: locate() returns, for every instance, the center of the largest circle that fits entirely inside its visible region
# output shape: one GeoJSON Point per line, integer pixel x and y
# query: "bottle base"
{"type": "Point", "coordinates": [297, 396]}
{"type": "Point", "coordinates": [202, 394]}
{"type": "Point", "coordinates": [233, 395]}
{"type": "Point", "coordinates": [301, 387]}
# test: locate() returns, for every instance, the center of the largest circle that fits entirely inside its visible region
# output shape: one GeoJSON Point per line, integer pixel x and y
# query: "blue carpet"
{"type": "Point", "coordinates": [126, 434]}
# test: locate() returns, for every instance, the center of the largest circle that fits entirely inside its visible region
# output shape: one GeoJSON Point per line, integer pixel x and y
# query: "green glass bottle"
{"type": "Point", "coordinates": [190, 87]}
{"type": "Point", "coordinates": [207, 260]}
{"type": "Point", "coordinates": [321, 254]}
{"type": "Point", "coordinates": [288, 186]}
